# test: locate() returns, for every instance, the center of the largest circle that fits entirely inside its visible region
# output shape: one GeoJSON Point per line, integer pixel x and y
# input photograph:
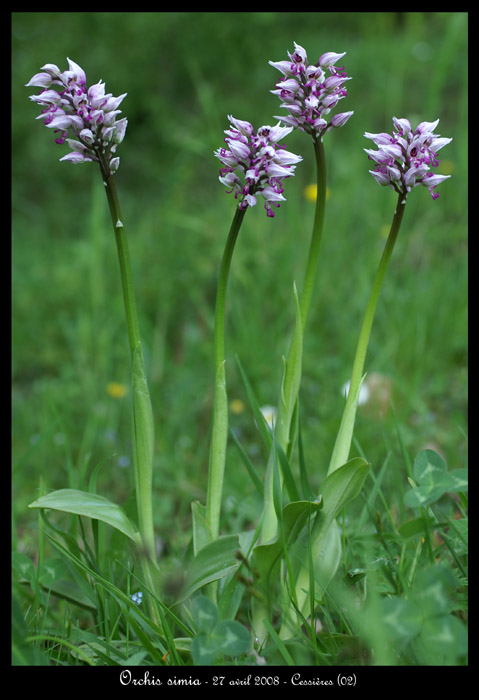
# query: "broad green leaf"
{"type": "Point", "coordinates": [342, 486]}
{"type": "Point", "coordinates": [211, 563]}
{"type": "Point", "coordinates": [90, 505]}
{"type": "Point", "coordinates": [433, 480]}
{"type": "Point", "coordinates": [428, 465]}
{"type": "Point", "coordinates": [401, 618]}
{"type": "Point", "coordinates": [143, 447]}
{"type": "Point", "coordinates": [415, 527]}
{"type": "Point", "coordinates": [344, 437]}
{"type": "Point", "coordinates": [51, 570]}
{"type": "Point", "coordinates": [443, 640]}
{"type": "Point", "coordinates": [291, 380]}
{"type": "Point", "coordinates": [286, 472]}
{"type": "Point", "coordinates": [205, 614]}
{"type": "Point", "coordinates": [218, 447]}
{"type": "Point", "coordinates": [201, 528]}
{"type": "Point", "coordinates": [214, 636]}
{"type": "Point", "coordinates": [232, 638]}
{"type": "Point", "coordinates": [23, 567]}
{"type": "Point", "coordinates": [70, 591]}
{"type": "Point", "coordinates": [267, 557]}
{"type": "Point", "coordinates": [143, 416]}
{"type": "Point", "coordinates": [204, 650]}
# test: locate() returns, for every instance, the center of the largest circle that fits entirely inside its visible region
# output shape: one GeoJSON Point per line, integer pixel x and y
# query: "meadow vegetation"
{"type": "Point", "coordinates": [399, 596]}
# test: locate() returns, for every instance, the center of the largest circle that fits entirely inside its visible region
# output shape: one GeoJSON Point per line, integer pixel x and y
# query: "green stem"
{"type": "Point", "coordinates": [124, 260]}
{"type": "Point", "coordinates": [290, 390]}
{"type": "Point", "coordinates": [220, 408]}
{"type": "Point", "coordinates": [317, 234]}
{"type": "Point", "coordinates": [142, 412]}
{"type": "Point", "coordinates": [343, 440]}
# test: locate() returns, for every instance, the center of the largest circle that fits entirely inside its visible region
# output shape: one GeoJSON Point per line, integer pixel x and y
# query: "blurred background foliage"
{"type": "Point", "coordinates": [184, 72]}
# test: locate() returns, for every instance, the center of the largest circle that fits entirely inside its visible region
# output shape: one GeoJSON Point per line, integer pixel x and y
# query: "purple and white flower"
{"type": "Point", "coordinates": [309, 92]}
{"type": "Point", "coordinates": [404, 158]}
{"type": "Point", "coordinates": [89, 115]}
{"type": "Point", "coordinates": [255, 164]}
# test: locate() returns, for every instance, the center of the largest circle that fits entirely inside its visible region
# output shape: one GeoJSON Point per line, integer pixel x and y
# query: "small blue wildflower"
{"type": "Point", "coordinates": [136, 597]}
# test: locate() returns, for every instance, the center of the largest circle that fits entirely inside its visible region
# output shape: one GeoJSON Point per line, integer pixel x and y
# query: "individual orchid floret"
{"type": "Point", "coordinates": [255, 164]}
{"type": "Point", "coordinates": [70, 108]}
{"type": "Point", "coordinates": [404, 158]}
{"type": "Point", "coordinates": [308, 92]}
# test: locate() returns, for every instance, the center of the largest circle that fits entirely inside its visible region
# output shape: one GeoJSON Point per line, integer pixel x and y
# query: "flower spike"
{"type": "Point", "coordinates": [88, 114]}
{"type": "Point", "coordinates": [310, 91]}
{"type": "Point", "coordinates": [404, 158]}
{"type": "Point", "coordinates": [255, 164]}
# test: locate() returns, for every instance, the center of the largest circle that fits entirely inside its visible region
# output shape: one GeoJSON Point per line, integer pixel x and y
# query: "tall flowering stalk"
{"type": "Point", "coordinates": [308, 92]}
{"type": "Point", "coordinates": [403, 160]}
{"type": "Point", "coordinates": [254, 165]}
{"type": "Point", "coordinates": [85, 119]}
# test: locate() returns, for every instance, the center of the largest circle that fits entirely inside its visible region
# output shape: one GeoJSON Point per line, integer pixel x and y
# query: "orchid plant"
{"type": "Point", "coordinates": [296, 539]}
{"type": "Point", "coordinates": [90, 116]}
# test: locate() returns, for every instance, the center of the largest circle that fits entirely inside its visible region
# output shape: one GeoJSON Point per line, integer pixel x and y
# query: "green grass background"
{"type": "Point", "coordinates": [184, 73]}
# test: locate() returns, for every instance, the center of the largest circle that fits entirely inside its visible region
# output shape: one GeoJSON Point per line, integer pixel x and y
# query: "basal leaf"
{"type": "Point", "coordinates": [90, 505]}
{"type": "Point", "coordinates": [211, 563]}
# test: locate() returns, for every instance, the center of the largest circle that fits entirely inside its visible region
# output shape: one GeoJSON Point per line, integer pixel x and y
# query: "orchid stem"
{"type": "Point", "coordinates": [142, 413]}
{"type": "Point", "coordinates": [313, 256]}
{"type": "Point", "coordinates": [219, 435]}
{"type": "Point", "coordinates": [343, 440]}
{"type": "Point", "coordinates": [291, 388]}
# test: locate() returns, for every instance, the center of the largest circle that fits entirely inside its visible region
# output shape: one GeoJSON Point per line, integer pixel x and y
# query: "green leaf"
{"type": "Point", "coordinates": [23, 653]}
{"type": "Point", "coordinates": [211, 563]}
{"type": "Point", "coordinates": [291, 380]}
{"type": "Point", "coordinates": [144, 433]}
{"type": "Point", "coordinates": [201, 528]}
{"type": "Point", "coordinates": [143, 447]}
{"type": "Point", "coordinates": [433, 479]}
{"type": "Point", "coordinates": [259, 418]}
{"type": "Point", "coordinates": [214, 636]}
{"type": "Point", "coordinates": [205, 614]}
{"type": "Point", "coordinates": [267, 557]}
{"type": "Point", "coordinates": [289, 480]}
{"type": "Point", "coordinates": [342, 486]}
{"type": "Point", "coordinates": [416, 527]}
{"type": "Point", "coordinates": [428, 466]}
{"type": "Point", "coordinates": [248, 464]}
{"type": "Point", "coordinates": [204, 650]}
{"type": "Point", "coordinates": [90, 505]}
{"type": "Point", "coordinates": [344, 437]}
{"type": "Point", "coordinates": [24, 569]}
{"type": "Point", "coordinates": [401, 618]}
{"type": "Point", "coordinates": [232, 638]}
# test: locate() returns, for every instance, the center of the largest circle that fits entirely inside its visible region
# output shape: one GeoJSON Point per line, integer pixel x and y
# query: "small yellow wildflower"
{"type": "Point", "coordinates": [311, 192]}
{"type": "Point", "coordinates": [116, 390]}
{"type": "Point", "coordinates": [236, 406]}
